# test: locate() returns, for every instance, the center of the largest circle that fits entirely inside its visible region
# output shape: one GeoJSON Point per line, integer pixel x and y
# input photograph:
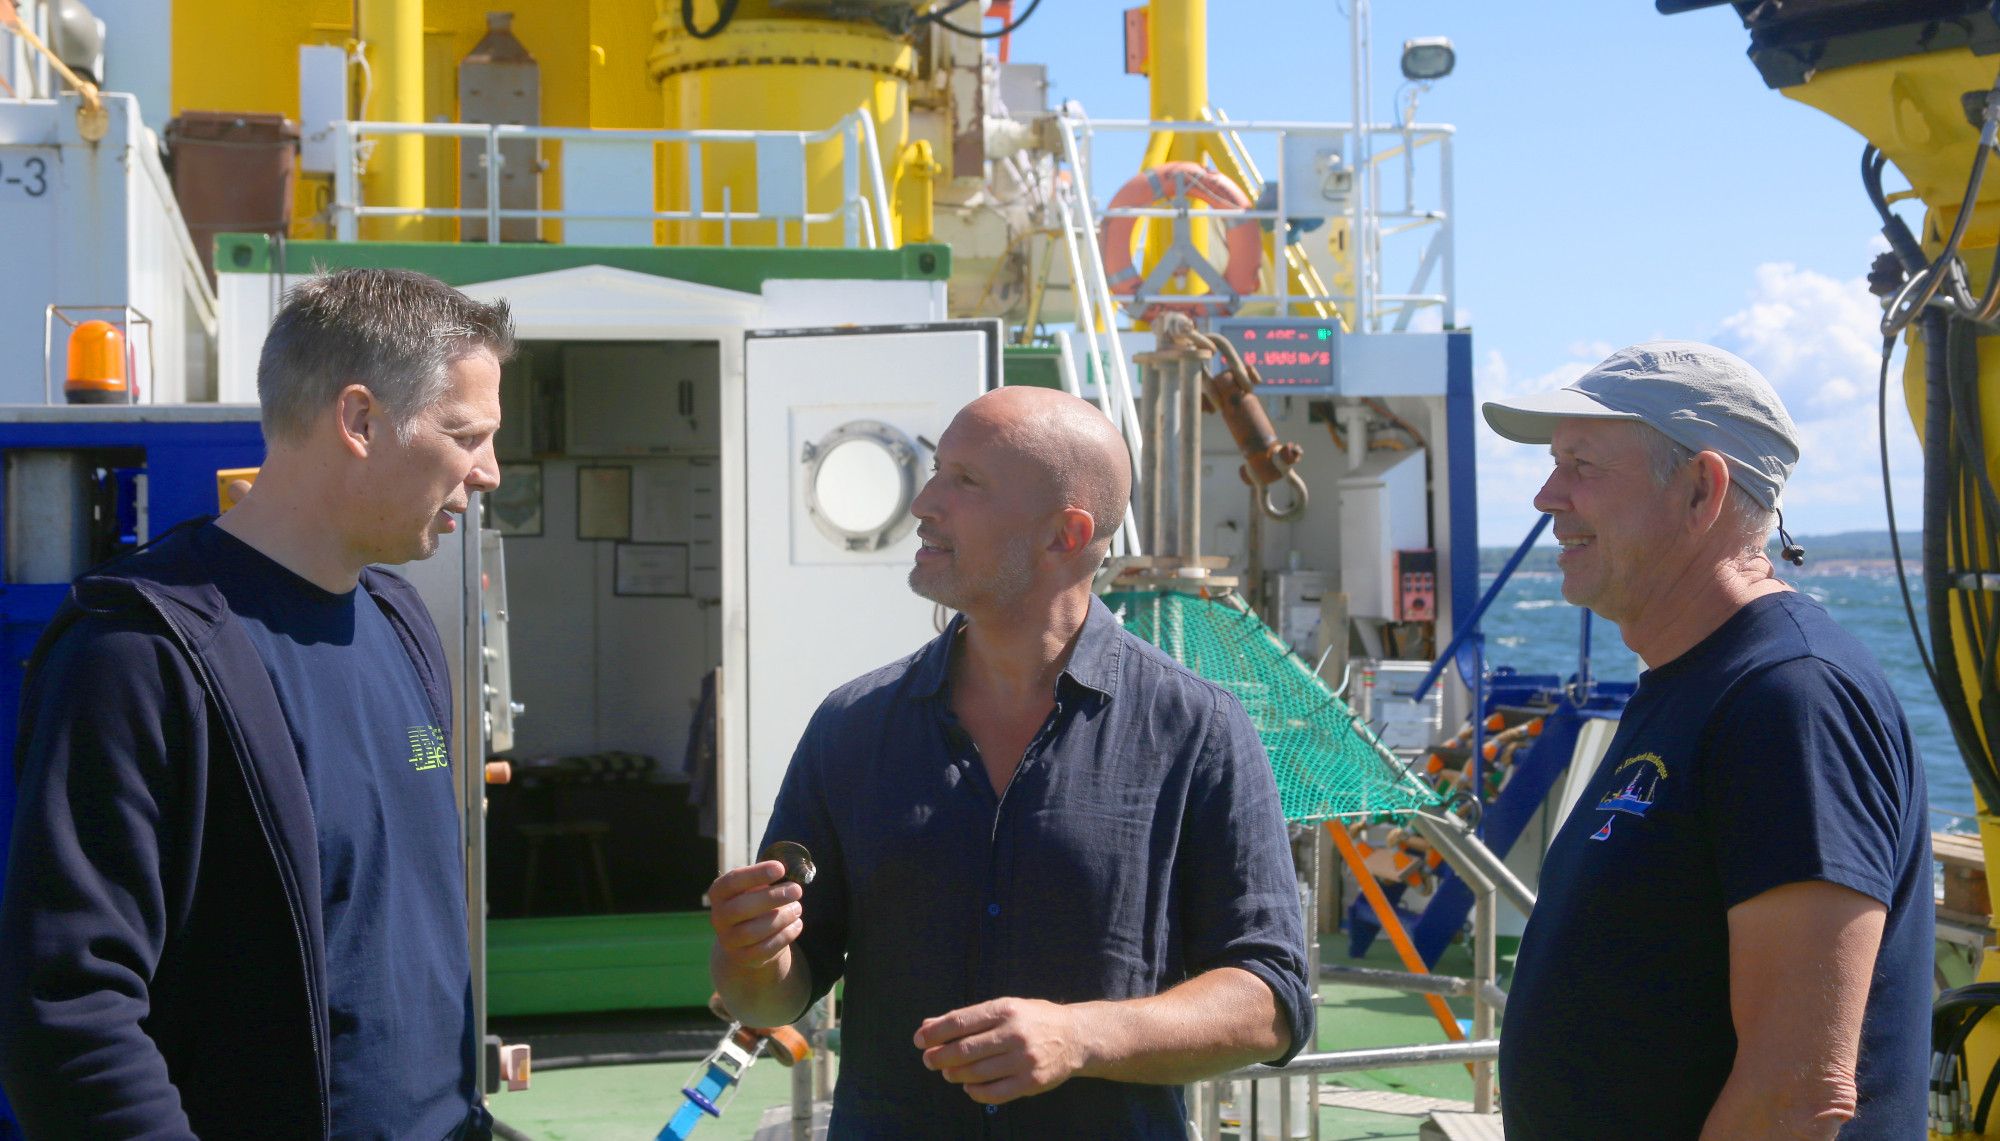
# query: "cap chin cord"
{"type": "Point", "coordinates": [1789, 550]}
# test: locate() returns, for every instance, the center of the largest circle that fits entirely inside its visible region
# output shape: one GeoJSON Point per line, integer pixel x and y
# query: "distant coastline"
{"type": "Point", "coordinates": [1845, 552]}
{"type": "Point", "coordinates": [1531, 630]}
{"type": "Point", "coordinates": [1869, 567]}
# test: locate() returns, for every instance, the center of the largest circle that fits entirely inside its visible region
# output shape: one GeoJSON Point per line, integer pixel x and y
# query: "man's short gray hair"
{"type": "Point", "coordinates": [1667, 458]}
{"type": "Point", "coordinates": [392, 330]}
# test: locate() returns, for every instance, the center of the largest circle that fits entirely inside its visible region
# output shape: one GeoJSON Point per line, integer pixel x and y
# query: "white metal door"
{"type": "Point", "coordinates": [839, 425]}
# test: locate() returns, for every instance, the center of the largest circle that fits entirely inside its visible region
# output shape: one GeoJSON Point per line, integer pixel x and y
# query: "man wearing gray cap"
{"type": "Point", "coordinates": [1733, 936]}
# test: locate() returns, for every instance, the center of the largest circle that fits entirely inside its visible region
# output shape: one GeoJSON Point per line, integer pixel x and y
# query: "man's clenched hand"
{"type": "Point", "coordinates": [1006, 1049]}
{"type": "Point", "coordinates": [756, 915]}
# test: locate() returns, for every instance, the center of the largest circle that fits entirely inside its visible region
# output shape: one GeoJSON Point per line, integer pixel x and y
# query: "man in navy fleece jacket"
{"type": "Point", "coordinates": [234, 904]}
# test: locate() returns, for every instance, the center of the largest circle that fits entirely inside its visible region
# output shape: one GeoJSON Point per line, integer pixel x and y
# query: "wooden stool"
{"type": "Point", "coordinates": [591, 833]}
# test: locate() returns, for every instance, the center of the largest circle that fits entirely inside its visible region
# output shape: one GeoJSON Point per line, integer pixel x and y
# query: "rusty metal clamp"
{"type": "Point", "coordinates": [1231, 392]}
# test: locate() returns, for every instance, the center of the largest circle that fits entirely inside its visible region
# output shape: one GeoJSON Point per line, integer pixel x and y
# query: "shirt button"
{"type": "Point", "coordinates": [992, 1109]}
{"type": "Point", "coordinates": [992, 909]}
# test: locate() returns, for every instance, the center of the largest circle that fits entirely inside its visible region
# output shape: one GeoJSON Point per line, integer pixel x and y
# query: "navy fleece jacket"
{"type": "Point", "coordinates": [162, 973]}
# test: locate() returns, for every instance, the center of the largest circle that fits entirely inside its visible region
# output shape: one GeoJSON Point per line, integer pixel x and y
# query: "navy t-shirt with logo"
{"type": "Point", "coordinates": [392, 873]}
{"type": "Point", "coordinates": [1771, 753]}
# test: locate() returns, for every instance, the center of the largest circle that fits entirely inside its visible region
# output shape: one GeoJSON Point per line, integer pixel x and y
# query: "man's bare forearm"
{"type": "Point", "coordinates": [1801, 960]}
{"type": "Point", "coordinates": [1768, 1107]}
{"type": "Point", "coordinates": [1215, 1022]}
{"type": "Point", "coordinates": [773, 994]}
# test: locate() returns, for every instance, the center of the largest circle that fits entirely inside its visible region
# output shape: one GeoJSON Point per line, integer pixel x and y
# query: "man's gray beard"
{"type": "Point", "coordinates": [1009, 582]}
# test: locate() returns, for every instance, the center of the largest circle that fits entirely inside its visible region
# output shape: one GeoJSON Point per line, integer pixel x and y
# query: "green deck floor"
{"type": "Point", "coordinates": [619, 1102]}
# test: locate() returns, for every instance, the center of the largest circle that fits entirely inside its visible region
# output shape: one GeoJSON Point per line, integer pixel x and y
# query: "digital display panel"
{"type": "Point", "coordinates": [1294, 356]}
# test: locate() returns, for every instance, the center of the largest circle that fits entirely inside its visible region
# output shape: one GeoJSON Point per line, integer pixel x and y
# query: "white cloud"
{"type": "Point", "coordinates": [1835, 393]}
{"type": "Point", "coordinates": [1815, 338]}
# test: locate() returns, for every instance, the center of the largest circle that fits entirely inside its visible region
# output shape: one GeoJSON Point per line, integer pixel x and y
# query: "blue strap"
{"type": "Point", "coordinates": [683, 1123]}
{"type": "Point", "coordinates": [701, 1099]}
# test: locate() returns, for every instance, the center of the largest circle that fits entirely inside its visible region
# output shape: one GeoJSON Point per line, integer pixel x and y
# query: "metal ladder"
{"type": "Point", "coordinates": [1097, 314]}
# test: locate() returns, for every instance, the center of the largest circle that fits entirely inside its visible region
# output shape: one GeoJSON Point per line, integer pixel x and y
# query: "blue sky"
{"type": "Point", "coordinates": [1621, 176]}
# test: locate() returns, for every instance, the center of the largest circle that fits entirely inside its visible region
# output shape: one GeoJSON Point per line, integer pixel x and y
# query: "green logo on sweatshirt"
{"type": "Point", "coordinates": [427, 750]}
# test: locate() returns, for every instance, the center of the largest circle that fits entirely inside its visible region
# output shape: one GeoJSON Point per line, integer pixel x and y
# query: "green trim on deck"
{"type": "Point", "coordinates": [1038, 366]}
{"type": "Point", "coordinates": [741, 268]}
{"type": "Point", "coordinates": [585, 963]}
{"type": "Point", "coordinates": [633, 1101]}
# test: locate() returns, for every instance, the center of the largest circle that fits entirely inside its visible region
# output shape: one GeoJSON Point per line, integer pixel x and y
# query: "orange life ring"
{"type": "Point", "coordinates": [1244, 240]}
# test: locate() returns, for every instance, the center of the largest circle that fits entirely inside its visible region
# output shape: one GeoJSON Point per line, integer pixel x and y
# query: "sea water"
{"type": "Point", "coordinates": [1531, 628]}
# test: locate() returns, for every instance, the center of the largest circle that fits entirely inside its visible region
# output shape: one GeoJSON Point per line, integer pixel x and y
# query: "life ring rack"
{"type": "Point", "coordinates": [1167, 181]}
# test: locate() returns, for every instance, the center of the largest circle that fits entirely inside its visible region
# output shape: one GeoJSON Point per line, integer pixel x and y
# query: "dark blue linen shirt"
{"type": "Point", "coordinates": [1140, 843]}
{"type": "Point", "coordinates": [1773, 752]}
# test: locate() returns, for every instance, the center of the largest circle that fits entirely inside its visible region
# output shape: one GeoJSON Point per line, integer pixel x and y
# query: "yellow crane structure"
{"type": "Point", "coordinates": [1171, 50]}
{"type": "Point", "coordinates": [751, 65]}
{"type": "Point", "coordinates": [1921, 83]}
{"type": "Point", "coordinates": [604, 64]}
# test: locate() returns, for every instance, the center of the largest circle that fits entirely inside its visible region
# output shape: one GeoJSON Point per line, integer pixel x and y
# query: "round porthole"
{"type": "Point", "coordinates": [860, 479]}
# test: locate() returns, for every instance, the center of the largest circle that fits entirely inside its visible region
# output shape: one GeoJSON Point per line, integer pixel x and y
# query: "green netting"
{"type": "Point", "coordinates": [1327, 764]}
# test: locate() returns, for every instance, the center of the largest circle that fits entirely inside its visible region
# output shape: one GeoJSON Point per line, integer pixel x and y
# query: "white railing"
{"type": "Point", "coordinates": [1098, 310]}
{"type": "Point", "coordinates": [862, 210]}
{"type": "Point", "coordinates": [1415, 233]}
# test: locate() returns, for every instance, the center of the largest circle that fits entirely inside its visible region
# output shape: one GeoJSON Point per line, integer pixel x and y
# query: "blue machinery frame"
{"type": "Point", "coordinates": [181, 459]}
{"type": "Point", "coordinates": [1461, 477]}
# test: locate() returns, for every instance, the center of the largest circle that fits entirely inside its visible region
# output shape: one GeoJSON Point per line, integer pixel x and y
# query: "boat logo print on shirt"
{"type": "Point", "coordinates": [427, 749]}
{"type": "Point", "coordinates": [1635, 796]}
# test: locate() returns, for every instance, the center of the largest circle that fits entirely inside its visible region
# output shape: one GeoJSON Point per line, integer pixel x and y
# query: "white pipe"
{"type": "Point", "coordinates": [1375, 1058]}
{"type": "Point", "coordinates": [1354, 424]}
{"type": "Point", "coordinates": [874, 172]}
{"type": "Point", "coordinates": [1364, 197]}
{"type": "Point", "coordinates": [1098, 283]}
{"type": "Point", "coordinates": [1464, 850]}
{"type": "Point", "coordinates": [1088, 323]}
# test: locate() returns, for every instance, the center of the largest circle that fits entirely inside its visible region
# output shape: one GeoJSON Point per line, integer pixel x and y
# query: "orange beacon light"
{"type": "Point", "coordinates": [97, 365]}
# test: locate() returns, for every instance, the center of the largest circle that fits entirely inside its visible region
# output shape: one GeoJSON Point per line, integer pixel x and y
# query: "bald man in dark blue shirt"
{"type": "Point", "coordinates": [1051, 862]}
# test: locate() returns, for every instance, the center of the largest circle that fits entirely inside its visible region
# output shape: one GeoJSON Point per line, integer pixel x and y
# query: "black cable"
{"type": "Point", "coordinates": [1958, 555]}
{"type": "Point", "coordinates": [1953, 1057]}
{"type": "Point", "coordinates": [1965, 395]}
{"type": "Point", "coordinates": [1947, 259]}
{"type": "Point", "coordinates": [1959, 483]}
{"type": "Point", "coordinates": [1968, 478]}
{"type": "Point", "coordinates": [1978, 604]}
{"type": "Point", "coordinates": [1989, 301]}
{"type": "Point", "coordinates": [1954, 1015]}
{"type": "Point", "coordinates": [1955, 477]}
{"type": "Point", "coordinates": [1965, 398]}
{"type": "Point", "coordinates": [1972, 604]}
{"type": "Point", "coordinates": [1974, 488]}
{"type": "Point", "coordinates": [1902, 242]}
{"type": "Point", "coordinates": [1889, 504]}
{"type": "Point", "coordinates": [979, 35]}
{"type": "Point", "coordinates": [723, 15]}
{"type": "Point", "coordinates": [1939, 466]}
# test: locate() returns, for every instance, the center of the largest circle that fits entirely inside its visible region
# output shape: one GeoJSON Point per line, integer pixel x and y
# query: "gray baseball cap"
{"type": "Point", "coordinates": [1696, 395]}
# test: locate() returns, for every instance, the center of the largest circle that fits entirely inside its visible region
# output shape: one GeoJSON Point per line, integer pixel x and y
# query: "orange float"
{"type": "Point", "coordinates": [1244, 240]}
